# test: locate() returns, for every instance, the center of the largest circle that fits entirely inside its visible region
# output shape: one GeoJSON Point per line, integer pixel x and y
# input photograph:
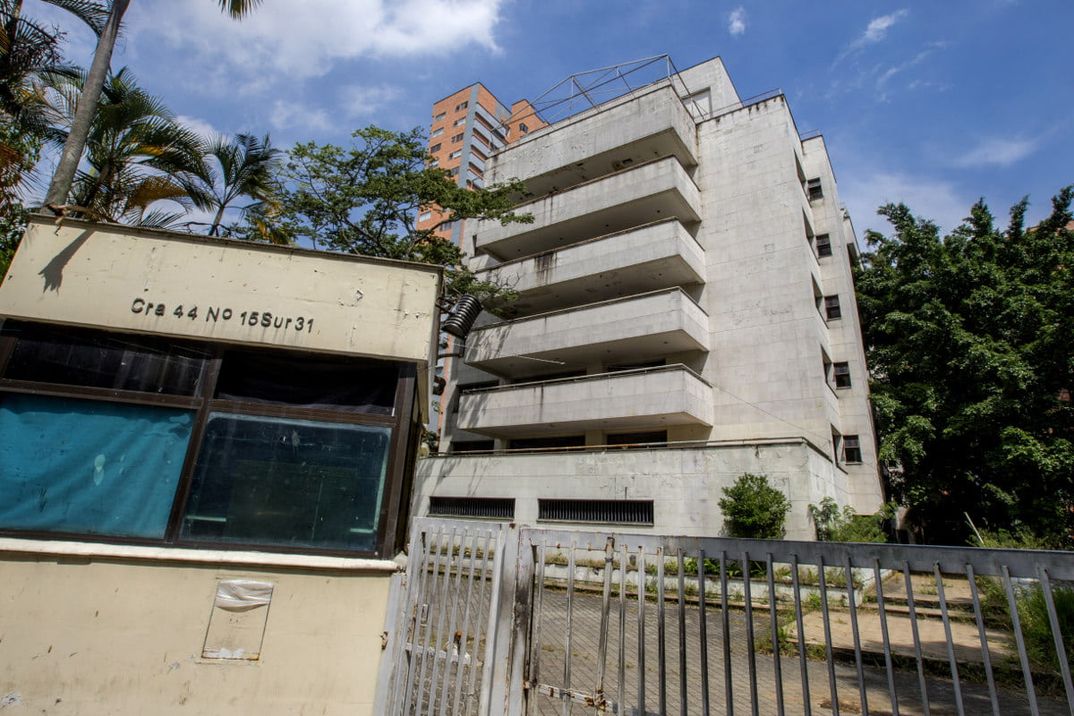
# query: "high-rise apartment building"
{"type": "Point", "coordinates": [686, 314]}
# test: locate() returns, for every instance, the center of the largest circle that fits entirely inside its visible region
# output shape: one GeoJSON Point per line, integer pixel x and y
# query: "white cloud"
{"type": "Point", "coordinates": [198, 126]}
{"type": "Point", "coordinates": [291, 115]}
{"type": "Point", "coordinates": [886, 75]}
{"type": "Point", "coordinates": [736, 21]}
{"type": "Point", "coordinates": [998, 152]}
{"type": "Point", "coordinates": [306, 39]}
{"type": "Point", "coordinates": [362, 101]}
{"type": "Point", "coordinates": [937, 200]}
{"type": "Point", "coordinates": [875, 31]}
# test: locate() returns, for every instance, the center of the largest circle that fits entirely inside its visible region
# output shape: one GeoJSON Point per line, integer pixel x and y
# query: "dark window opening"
{"type": "Point", "coordinates": [461, 446]}
{"type": "Point", "coordinates": [831, 308]}
{"type": "Point", "coordinates": [851, 449]}
{"type": "Point", "coordinates": [824, 245]}
{"type": "Point", "coordinates": [547, 443]}
{"type": "Point", "coordinates": [842, 375]}
{"type": "Point", "coordinates": [814, 190]}
{"type": "Point", "coordinates": [549, 376]}
{"type": "Point", "coordinates": [619, 367]}
{"type": "Point", "coordinates": [634, 440]}
{"type": "Point", "coordinates": [489, 508]}
{"type": "Point", "coordinates": [837, 445]}
{"type": "Point", "coordinates": [624, 512]}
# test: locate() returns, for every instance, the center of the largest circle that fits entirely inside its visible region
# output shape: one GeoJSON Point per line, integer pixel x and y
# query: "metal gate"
{"type": "Point", "coordinates": [500, 619]}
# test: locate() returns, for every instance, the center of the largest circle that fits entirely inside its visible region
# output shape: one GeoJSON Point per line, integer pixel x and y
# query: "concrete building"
{"type": "Point", "coordinates": [686, 314]}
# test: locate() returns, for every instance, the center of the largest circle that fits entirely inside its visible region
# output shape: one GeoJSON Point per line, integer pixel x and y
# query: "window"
{"type": "Point", "coordinates": [440, 116]}
{"type": "Point", "coordinates": [456, 154]}
{"type": "Point", "coordinates": [181, 442]}
{"type": "Point", "coordinates": [475, 170]}
{"type": "Point", "coordinates": [851, 449]}
{"type": "Point", "coordinates": [478, 153]}
{"type": "Point", "coordinates": [434, 164]}
{"type": "Point", "coordinates": [435, 148]}
{"type": "Point", "coordinates": [814, 190]}
{"type": "Point", "coordinates": [523, 128]}
{"type": "Point", "coordinates": [824, 245]}
{"type": "Point", "coordinates": [623, 512]}
{"type": "Point", "coordinates": [436, 132]}
{"type": "Point", "coordinates": [425, 216]}
{"type": "Point", "coordinates": [831, 308]}
{"type": "Point", "coordinates": [454, 171]}
{"type": "Point", "coordinates": [457, 138]}
{"type": "Point", "coordinates": [837, 445]}
{"type": "Point", "coordinates": [461, 106]}
{"type": "Point", "coordinates": [842, 375]}
{"type": "Point", "coordinates": [489, 508]}
{"type": "Point", "coordinates": [459, 121]}
{"type": "Point", "coordinates": [463, 446]}
{"type": "Point", "coordinates": [827, 367]}
{"type": "Point", "coordinates": [636, 440]}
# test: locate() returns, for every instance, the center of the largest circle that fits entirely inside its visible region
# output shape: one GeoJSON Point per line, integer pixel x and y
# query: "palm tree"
{"type": "Point", "coordinates": [136, 153]}
{"type": "Point", "coordinates": [231, 169]}
{"type": "Point", "coordinates": [67, 167]}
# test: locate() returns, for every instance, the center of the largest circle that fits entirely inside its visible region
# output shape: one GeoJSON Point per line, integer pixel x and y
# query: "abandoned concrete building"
{"type": "Point", "coordinates": [685, 314]}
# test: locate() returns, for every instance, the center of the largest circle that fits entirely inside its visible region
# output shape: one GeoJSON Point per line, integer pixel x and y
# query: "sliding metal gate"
{"type": "Point", "coordinates": [498, 619]}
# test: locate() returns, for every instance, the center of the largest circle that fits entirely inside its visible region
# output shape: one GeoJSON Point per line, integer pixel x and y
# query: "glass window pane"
{"type": "Point", "coordinates": [89, 467]}
{"type": "Point", "coordinates": [282, 481]}
{"type": "Point", "coordinates": [364, 386]}
{"type": "Point", "coordinates": [69, 356]}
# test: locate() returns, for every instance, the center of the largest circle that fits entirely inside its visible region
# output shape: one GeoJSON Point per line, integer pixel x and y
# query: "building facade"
{"type": "Point", "coordinates": [686, 314]}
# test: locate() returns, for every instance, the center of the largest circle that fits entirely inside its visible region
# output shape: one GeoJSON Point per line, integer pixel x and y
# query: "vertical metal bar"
{"type": "Point", "coordinates": [729, 690]}
{"type": "Point", "coordinates": [605, 614]}
{"type": "Point", "coordinates": [1057, 635]}
{"type": "Point", "coordinates": [621, 691]}
{"type": "Point", "coordinates": [950, 639]}
{"type": "Point", "coordinates": [751, 654]}
{"type": "Point", "coordinates": [917, 638]}
{"type": "Point", "coordinates": [568, 706]}
{"type": "Point", "coordinates": [429, 596]}
{"type": "Point", "coordinates": [641, 629]}
{"type": "Point", "coordinates": [415, 574]}
{"type": "Point", "coordinates": [682, 636]}
{"type": "Point", "coordinates": [1016, 627]}
{"type": "Point", "coordinates": [534, 677]}
{"type": "Point", "coordinates": [986, 657]}
{"type": "Point", "coordinates": [853, 606]}
{"type": "Point", "coordinates": [449, 641]}
{"type": "Point", "coordinates": [888, 665]}
{"type": "Point", "coordinates": [703, 615]}
{"type": "Point", "coordinates": [661, 653]}
{"type": "Point", "coordinates": [773, 613]}
{"type": "Point", "coordinates": [460, 672]}
{"type": "Point", "coordinates": [807, 708]}
{"type": "Point", "coordinates": [827, 636]}
{"type": "Point", "coordinates": [478, 631]}
{"type": "Point", "coordinates": [488, 664]}
{"type": "Point", "coordinates": [448, 637]}
{"type": "Point", "coordinates": [441, 607]}
{"type": "Point", "coordinates": [419, 603]}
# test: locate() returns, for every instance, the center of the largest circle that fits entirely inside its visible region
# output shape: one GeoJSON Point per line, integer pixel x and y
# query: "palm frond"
{"type": "Point", "coordinates": [238, 8]}
{"type": "Point", "coordinates": [91, 12]}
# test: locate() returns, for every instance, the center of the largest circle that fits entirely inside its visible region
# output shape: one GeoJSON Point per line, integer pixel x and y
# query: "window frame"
{"type": "Point", "coordinates": [824, 249]}
{"type": "Point", "coordinates": [202, 403]}
{"type": "Point", "coordinates": [852, 442]}
{"type": "Point", "coordinates": [833, 311]}
{"type": "Point", "coordinates": [841, 371]}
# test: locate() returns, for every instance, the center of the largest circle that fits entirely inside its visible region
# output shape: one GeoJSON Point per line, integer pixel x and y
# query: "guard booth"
{"type": "Point", "coordinates": [205, 458]}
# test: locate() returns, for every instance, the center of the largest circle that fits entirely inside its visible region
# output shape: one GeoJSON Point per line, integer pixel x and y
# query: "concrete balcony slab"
{"type": "Point", "coordinates": [648, 398]}
{"type": "Point", "coordinates": [633, 329]}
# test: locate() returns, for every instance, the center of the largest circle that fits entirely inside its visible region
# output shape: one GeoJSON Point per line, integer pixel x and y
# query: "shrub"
{"type": "Point", "coordinates": [753, 508]}
{"type": "Point", "coordinates": [843, 525]}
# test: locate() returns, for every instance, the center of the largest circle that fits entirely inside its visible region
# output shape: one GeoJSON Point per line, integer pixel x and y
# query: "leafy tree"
{"type": "Point", "coordinates": [136, 153]}
{"type": "Point", "coordinates": [753, 508]}
{"type": "Point", "coordinates": [365, 199]}
{"type": "Point", "coordinates": [968, 340]}
{"type": "Point", "coordinates": [231, 169]}
{"type": "Point", "coordinates": [835, 524]}
{"type": "Point", "coordinates": [96, 78]}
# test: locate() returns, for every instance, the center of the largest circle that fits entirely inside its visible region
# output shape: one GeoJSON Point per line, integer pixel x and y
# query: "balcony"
{"type": "Point", "coordinates": [646, 258]}
{"type": "Point", "coordinates": [648, 398]}
{"type": "Point", "coordinates": [642, 194]}
{"type": "Point", "coordinates": [629, 130]}
{"type": "Point", "coordinates": [634, 329]}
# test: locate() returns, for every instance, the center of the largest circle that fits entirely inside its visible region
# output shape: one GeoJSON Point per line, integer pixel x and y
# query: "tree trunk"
{"type": "Point", "coordinates": [86, 108]}
{"type": "Point", "coordinates": [217, 220]}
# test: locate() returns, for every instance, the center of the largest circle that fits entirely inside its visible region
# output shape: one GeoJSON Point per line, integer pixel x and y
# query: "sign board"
{"type": "Point", "coordinates": [127, 279]}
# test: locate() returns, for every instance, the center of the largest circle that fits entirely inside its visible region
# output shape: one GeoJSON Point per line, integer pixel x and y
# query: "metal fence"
{"type": "Point", "coordinates": [513, 620]}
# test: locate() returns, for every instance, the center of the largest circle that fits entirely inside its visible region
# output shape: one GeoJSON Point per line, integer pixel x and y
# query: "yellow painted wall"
{"type": "Point", "coordinates": [86, 635]}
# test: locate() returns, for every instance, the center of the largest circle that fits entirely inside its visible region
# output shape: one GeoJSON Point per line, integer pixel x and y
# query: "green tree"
{"type": "Point", "coordinates": [136, 154]}
{"type": "Point", "coordinates": [242, 166]}
{"type": "Point", "coordinates": [96, 78]}
{"type": "Point", "coordinates": [753, 508]}
{"type": "Point", "coordinates": [968, 341]}
{"type": "Point", "coordinates": [365, 199]}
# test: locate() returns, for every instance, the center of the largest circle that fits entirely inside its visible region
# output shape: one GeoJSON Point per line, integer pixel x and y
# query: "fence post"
{"type": "Point", "coordinates": [494, 682]}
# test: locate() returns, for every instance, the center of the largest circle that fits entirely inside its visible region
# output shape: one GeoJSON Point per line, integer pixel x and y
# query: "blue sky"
{"type": "Point", "coordinates": [930, 103]}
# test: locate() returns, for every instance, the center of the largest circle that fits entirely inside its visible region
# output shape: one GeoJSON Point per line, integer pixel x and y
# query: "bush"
{"type": "Point", "coordinates": [843, 525]}
{"type": "Point", "coordinates": [752, 508]}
